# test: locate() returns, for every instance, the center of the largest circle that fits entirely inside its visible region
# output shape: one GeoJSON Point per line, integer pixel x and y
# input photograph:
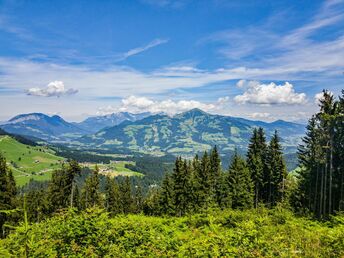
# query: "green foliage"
{"type": "Point", "coordinates": [321, 157]}
{"type": "Point", "coordinates": [8, 193]}
{"type": "Point", "coordinates": [239, 184]}
{"type": "Point", "coordinates": [228, 233]}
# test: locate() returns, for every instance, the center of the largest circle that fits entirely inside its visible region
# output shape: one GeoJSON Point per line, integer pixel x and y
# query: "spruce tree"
{"type": "Point", "coordinates": [181, 184]}
{"type": "Point", "coordinates": [277, 171]}
{"type": "Point", "coordinates": [126, 198]}
{"type": "Point", "coordinates": [321, 158]}
{"type": "Point", "coordinates": [5, 194]}
{"type": "Point", "coordinates": [256, 162]}
{"type": "Point", "coordinates": [91, 195]}
{"type": "Point", "coordinates": [167, 196]}
{"type": "Point", "coordinates": [112, 198]}
{"type": "Point", "coordinates": [61, 187]}
{"type": "Point", "coordinates": [215, 171]}
{"type": "Point", "coordinates": [239, 184]}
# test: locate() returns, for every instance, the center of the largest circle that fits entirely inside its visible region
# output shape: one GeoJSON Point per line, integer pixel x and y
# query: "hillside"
{"type": "Point", "coordinates": [94, 124]}
{"type": "Point", "coordinates": [50, 128]}
{"type": "Point", "coordinates": [229, 233]}
{"type": "Point", "coordinates": [28, 162]}
{"type": "Point", "coordinates": [189, 132]}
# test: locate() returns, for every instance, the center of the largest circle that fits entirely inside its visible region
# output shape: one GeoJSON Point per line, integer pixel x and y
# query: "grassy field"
{"type": "Point", "coordinates": [28, 162]}
{"type": "Point", "coordinates": [115, 168]}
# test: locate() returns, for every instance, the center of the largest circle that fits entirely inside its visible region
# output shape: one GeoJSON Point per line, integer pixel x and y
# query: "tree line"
{"type": "Point", "coordinates": [321, 157]}
{"type": "Point", "coordinates": [201, 183]}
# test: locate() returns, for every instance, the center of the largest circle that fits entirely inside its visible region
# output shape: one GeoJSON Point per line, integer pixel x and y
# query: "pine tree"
{"type": "Point", "coordinates": [61, 187]}
{"type": "Point", "coordinates": [239, 184]}
{"type": "Point", "coordinates": [112, 198]}
{"type": "Point", "coordinates": [91, 195]}
{"type": "Point", "coordinates": [321, 157]}
{"type": "Point", "coordinates": [277, 171]}
{"type": "Point", "coordinates": [126, 196]}
{"type": "Point", "coordinates": [5, 194]}
{"type": "Point", "coordinates": [215, 171]}
{"type": "Point", "coordinates": [167, 196]}
{"type": "Point", "coordinates": [256, 162]}
{"type": "Point", "coordinates": [181, 184]}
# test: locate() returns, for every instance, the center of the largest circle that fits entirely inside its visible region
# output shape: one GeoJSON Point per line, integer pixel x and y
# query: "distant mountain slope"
{"type": "Point", "coordinates": [94, 124]}
{"type": "Point", "coordinates": [188, 133]}
{"type": "Point", "coordinates": [28, 162]}
{"type": "Point", "coordinates": [39, 125]}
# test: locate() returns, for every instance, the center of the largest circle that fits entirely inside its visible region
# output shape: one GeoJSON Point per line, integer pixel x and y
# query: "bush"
{"type": "Point", "coordinates": [229, 233]}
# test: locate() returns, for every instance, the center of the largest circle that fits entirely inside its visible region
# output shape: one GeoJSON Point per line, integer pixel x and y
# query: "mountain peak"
{"type": "Point", "coordinates": [193, 112]}
{"type": "Point", "coordinates": [27, 117]}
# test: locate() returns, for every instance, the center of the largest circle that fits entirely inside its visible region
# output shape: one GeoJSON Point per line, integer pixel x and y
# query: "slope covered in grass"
{"type": "Point", "coordinates": [28, 162]}
{"type": "Point", "coordinates": [251, 233]}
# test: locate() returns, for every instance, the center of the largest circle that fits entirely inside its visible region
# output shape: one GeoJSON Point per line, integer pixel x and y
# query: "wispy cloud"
{"type": "Point", "coordinates": [138, 50]}
{"type": "Point", "coordinates": [298, 50]}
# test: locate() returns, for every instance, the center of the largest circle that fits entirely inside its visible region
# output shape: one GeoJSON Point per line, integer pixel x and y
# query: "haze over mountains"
{"type": "Point", "coordinates": [185, 133]}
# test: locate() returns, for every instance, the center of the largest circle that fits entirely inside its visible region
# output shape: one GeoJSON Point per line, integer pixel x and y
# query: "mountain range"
{"type": "Point", "coordinates": [56, 129]}
{"type": "Point", "coordinates": [186, 133]}
{"type": "Point", "coordinates": [189, 132]}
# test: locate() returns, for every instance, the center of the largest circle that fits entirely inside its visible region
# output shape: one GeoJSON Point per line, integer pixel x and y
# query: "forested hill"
{"type": "Point", "coordinates": [190, 132]}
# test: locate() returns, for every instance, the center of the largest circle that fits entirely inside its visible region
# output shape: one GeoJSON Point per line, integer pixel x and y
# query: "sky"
{"type": "Point", "coordinates": [262, 60]}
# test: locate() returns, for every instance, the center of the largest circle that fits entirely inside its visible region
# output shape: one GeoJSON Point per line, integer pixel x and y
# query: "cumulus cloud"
{"type": "Point", "coordinates": [136, 104]}
{"type": "Point", "coordinates": [139, 104]}
{"type": "Point", "coordinates": [258, 93]}
{"type": "Point", "coordinates": [53, 89]}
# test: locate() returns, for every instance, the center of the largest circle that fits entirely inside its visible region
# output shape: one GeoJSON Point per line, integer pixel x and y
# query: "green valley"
{"type": "Point", "coordinates": [29, 162]}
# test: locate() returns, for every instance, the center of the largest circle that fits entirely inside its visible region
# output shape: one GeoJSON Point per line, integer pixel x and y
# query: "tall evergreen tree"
{"type": "Point", "coordinates": [167, 196]}
{"type": "Point", "coordinates": [256, 162]}
{"type": "Point", "coordinates": [61, 186]}
{"type": "Point", "coordinates": [320, 155]}
{"type": "Point", "coordinates": [7, 193]}
{"type": "Point", "coordinates": [126, 195]}
{"type": "Point", "coordinates": [182, 186]}
{"type": "Point", "coordinates": [239, 184]}
{"type": "Point", "coordinates": [91, 195]}
{"type": "Point", "coordinates": [277, 171]}
{"type": "Point", "coordinates": [215, 171]}
{"type": "Point", "coordinates": [112, 198]}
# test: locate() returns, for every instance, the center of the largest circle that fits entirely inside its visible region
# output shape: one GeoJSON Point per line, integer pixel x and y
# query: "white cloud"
{"type": "Point", "coordinates": [138, 50]}
{"type": "Point", "coordinates": [136, 104]}
{"type": "Point", "coordinates": [53, 89]}
{"type": "Point", "coordinates": [139, 104]}
{"type": "Point", "coordinates": [271, 93]}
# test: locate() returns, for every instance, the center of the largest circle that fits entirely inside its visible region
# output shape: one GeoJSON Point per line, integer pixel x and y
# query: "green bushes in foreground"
{"type": "Point", "coordinates": [229, 233]}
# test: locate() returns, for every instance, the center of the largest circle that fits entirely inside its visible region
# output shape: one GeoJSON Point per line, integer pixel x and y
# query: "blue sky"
{"type": "Point", "coordinates": [256, 59]}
